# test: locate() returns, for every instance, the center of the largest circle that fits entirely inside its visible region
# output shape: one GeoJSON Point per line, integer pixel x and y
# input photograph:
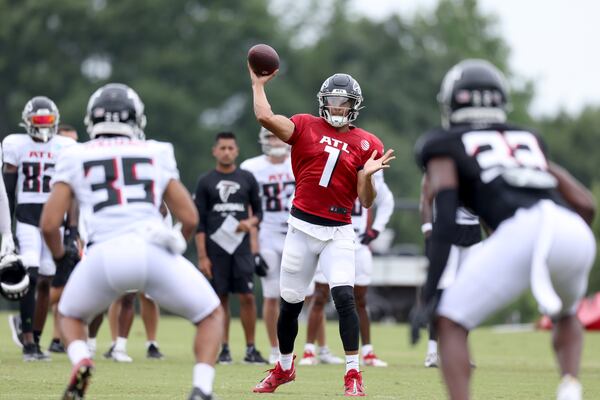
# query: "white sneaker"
{"type": "Point", "coordinates": [121, 356]}
{"type": "Point", "coordinates": [431, 360]}
{"type": "Point", "coordinates": [569, 389]}
{"type": "Point", "coordinates": [372, 360]}
{"type": "Point", "coordinates": [309, 358]}
{"type": "Point", "coordinates": [326, 357]}
{"type": "Point", "coordinates": [92, 348]}
{"type": "Point", "coordinates": [273, 357]}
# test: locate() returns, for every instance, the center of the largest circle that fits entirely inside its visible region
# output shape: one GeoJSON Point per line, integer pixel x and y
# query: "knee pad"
{"type": "Point", "coordinates": [343, 297]}
{"type": "Point", "coordinates": [292, 296]}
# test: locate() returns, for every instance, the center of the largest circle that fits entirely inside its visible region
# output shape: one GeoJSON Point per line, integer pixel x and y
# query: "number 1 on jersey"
{"type": "Point", "coordinates": [332, 159]}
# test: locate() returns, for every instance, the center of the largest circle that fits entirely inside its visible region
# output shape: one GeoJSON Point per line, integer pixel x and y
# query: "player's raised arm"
{"type": "Point", "coordinates": [280, 125]}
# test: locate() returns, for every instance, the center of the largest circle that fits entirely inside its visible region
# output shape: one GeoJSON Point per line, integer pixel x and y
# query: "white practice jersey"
{"type": "Point", "coordinates": [384, 204]}
{"type": "Point", "coordinates": [119, 182]}
{"type": "Point", "coordinates": [277, 186]}
{"type": "Point", "coordinates": [35, 162]}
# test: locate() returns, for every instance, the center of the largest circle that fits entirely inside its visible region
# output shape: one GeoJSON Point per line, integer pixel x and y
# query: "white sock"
{"type": "Point", "coordinates": [310, 347]}
{"type": "Point", "coordinates": [351, 362]}
{"type": "Point", "coordinates": [121, 344]}
{"type": "Point", "coordinates": [432, 346]}
{"type": "Point", "coordinates": [286, 361]}
{"type": "Point", "coordinates": [323, 350]}
{"type": "Point", "coordinates": [204, 376]}
{"type": "Point", "coordinates": [274, 350]}
{"type": "Point", "coordinates": [366, 349]}
{"type": "Point", "coordinates": [77, 351]}
{"type": "Point", "coordinates": [151, 342]}
{"type": "Point", "coordinates": [91, 343]}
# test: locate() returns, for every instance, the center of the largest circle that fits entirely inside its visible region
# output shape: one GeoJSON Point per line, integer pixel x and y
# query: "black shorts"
{"type": "Point", "coordinates": [232, 273]}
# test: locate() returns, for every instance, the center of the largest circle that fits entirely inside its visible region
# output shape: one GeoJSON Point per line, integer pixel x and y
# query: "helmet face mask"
{"type": "Point", "coordinates": [473, 91]}
{"type": "Point", "coordinates": [339, 98]}
{"type": "Point", "coordinates": [271, 145]}
{"type": "Point", "coordinates": [115, 109]}
{"type": "Point", "coordinates": [40, 118]}
{"type": "Point", "coordinates": [14, 280]}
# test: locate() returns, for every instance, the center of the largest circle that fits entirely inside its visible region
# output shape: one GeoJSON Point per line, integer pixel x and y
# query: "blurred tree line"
{"type": "Point", "coordinates": [187, 60]}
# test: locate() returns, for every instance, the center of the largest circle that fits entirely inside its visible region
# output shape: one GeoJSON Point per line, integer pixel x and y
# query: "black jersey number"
{"type": "Point", "coordinates": [273, 193]}
{"type": "Point", "coordinates": [111, 168]}
{"type": "Point", "coordinates": [36, 181]}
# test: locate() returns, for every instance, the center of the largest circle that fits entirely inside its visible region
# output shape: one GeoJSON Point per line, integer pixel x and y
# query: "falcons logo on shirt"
{"type": "Point", "coordinates": [226, 189]}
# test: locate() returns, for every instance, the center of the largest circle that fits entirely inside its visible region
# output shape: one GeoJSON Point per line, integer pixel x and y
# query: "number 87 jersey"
{"type": "Point", "coordinates": [119, 182]}
{"type": "Point", "coordinates": [500, 168]}
{"type": "Point", "coordinates": [326, 164]}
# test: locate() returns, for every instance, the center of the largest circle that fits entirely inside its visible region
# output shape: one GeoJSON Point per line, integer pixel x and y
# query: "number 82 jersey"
{"type": "Point", "coordinates": [500, 168]}
{"type": "Point", "coordinates": [326, 164]}
{"type": "Point", "coordinates": [118, 181]}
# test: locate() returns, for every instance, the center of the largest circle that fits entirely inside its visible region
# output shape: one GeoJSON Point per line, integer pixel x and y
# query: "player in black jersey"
{"type": "Point", "coordinates": [229, 205]}
{"type": "Point", "coordinates": [530, 205]}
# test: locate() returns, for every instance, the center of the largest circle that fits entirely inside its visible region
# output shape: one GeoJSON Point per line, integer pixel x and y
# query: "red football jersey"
{"type": "Point", "coordinates": [326, 163]}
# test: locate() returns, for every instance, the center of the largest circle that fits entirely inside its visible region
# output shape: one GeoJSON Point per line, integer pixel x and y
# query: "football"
{"type": "Point", "coordinates": [263, 59]}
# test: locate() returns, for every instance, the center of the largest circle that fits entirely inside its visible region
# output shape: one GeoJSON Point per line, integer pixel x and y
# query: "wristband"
{"type": "Point", "coordinates": [426, 227]}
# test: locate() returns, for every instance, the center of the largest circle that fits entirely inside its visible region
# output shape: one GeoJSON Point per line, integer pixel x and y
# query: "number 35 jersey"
{"type": "Point", "coordinates": [500, 168]}
{"type": "Point", "coordinates": [119, 182]}
{"type": "Point", "coordinates": [326, 164]}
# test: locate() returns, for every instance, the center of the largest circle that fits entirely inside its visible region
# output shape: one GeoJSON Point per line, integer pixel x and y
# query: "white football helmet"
{"type": "Point", "coordinates": [40, 118]}
{"type": "Point", "coordinates": [14, 280]}
{"type": "Point", "coordinates": [279, 150]}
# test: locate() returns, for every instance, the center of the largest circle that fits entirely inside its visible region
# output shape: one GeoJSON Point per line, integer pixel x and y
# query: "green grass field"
{"type": "Point", "coordinates": [509, 366]}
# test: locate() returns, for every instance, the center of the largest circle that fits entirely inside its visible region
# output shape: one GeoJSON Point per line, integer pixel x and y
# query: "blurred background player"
{"type": "Point", "coordinates": [29, 160]}
{"type": "Point", "coordinates": [229, 206]}
{"type": "Point", "coordinates": [367, 229]}
{"type": "Point", "coordinates": [333, 162]}
{"type": "Point", "coordinates": [466, 240]}
{"type": "Point", "coordinates": [537, 213]}
{"type": "Point", "coordinates": [121, 181]}
{"type": "Point", "coordinates": [273, 172]}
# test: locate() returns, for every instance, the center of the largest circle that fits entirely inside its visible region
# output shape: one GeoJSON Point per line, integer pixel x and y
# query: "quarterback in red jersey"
{"type": "Point", "coordinates": [333, 162]}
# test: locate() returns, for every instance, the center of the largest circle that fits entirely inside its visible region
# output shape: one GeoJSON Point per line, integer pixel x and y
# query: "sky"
{"type": "Point", "coordinates": [554, 43]}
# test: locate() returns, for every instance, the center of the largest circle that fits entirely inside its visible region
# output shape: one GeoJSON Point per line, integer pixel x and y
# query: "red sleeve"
{"type": "Point", "coordinates": [299, 121]}
{"type": "Point", "coordinates": [375, 144]}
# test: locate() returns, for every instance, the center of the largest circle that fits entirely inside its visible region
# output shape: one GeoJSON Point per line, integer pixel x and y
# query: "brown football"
{"type": "Point", "coordinates": [263, 59]}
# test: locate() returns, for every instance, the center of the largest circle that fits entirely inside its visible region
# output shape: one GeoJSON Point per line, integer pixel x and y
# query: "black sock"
{"type": "Point", "coordinates": [249, 347]}
{"type": "Point", "coordinates": [287, 325]}
{"type": "Point", "coordinates": [225, 347]}
{"type": "Point", "coordinates": [36, 336]}
{"type": "Point", "coordinates": [343, 297]}
{"type": "Point", "coordinates": [55, 340]}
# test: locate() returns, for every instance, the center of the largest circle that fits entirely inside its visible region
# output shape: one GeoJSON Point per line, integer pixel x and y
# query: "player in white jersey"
{"type": "Point", "coordinates": [29, 160]}
{"type": "Point", "coordinates": [121, 181]}
{"type": "Point", "coordinates": [367, 229]}
{"type": "Point", "coordinates": [273, 172]}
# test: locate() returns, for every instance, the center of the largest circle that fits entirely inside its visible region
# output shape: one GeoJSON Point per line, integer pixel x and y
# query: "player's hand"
{"type": "Point", "coordinates": [68, 261]}
{"type": "Point", "coordinates": [420, 316]}
{"type": "Point", "coordinates": [372, 165]}
{"type": "Point", "coordinates": [369, 236]}
{"type": "Point", "coordinates": [245, 225]}
{"type": "Point", "coordinates": [260, 266]}
{"type": "Point", "coordinates": [205, 267]}
{"type": "Point", "coordinates": [260, 79]}
{"type": "Point", "coordinates": [8, 244]}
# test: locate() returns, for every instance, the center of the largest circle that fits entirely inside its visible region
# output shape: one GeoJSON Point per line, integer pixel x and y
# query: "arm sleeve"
{"type": "Point", "coordinates": [255, 202]}
{"type": "Point", "coordinates": [201, 201]}
{"type": "Point", "coordinates": [10, 150]}
{"type": "Point", "coordinates": [384, 202]}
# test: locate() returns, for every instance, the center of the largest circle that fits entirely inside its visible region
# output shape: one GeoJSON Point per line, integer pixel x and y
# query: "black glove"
{"type": "Point", "coordinates": [68, 261]}
{"type": "Point", "coordinates": [368, 236]}
{"type": "Point", "coordinates": [420, 316]}
{"type": "Point", "coordinates": [260, 266]}
{"type": "Point", "coordinates": [71, 236]}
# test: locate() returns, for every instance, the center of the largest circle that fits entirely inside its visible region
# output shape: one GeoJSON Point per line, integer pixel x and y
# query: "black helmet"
{"type": "Point", "coordinates": [473, 91]}
{"type": "Point", "coordinates": [338, 89]}
{"type": "Point", "coordinates": [40, 118]}
{"type": "Point", "coordinates": [14, 280]}
{"type": "Point", "coordinates": [115, 109]}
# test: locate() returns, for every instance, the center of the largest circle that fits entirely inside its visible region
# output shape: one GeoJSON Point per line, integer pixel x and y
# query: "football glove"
{"type": "Point", "coordinates": [260, 266]}
{"type": "Point", "coordinates": [71, 236]}
{"type": "Point", "coordinates": [368, 236]}
{"type": "Point", "coordinates": [68, 261]}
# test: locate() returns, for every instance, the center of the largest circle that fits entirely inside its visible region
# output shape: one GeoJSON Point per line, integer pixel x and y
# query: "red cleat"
{"type": "Point", "coordinates": [353, 384]}
{"type": "Point", "coordinates": [80, 379]}
{"type": "Point", "coordinates": [277, 377]}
